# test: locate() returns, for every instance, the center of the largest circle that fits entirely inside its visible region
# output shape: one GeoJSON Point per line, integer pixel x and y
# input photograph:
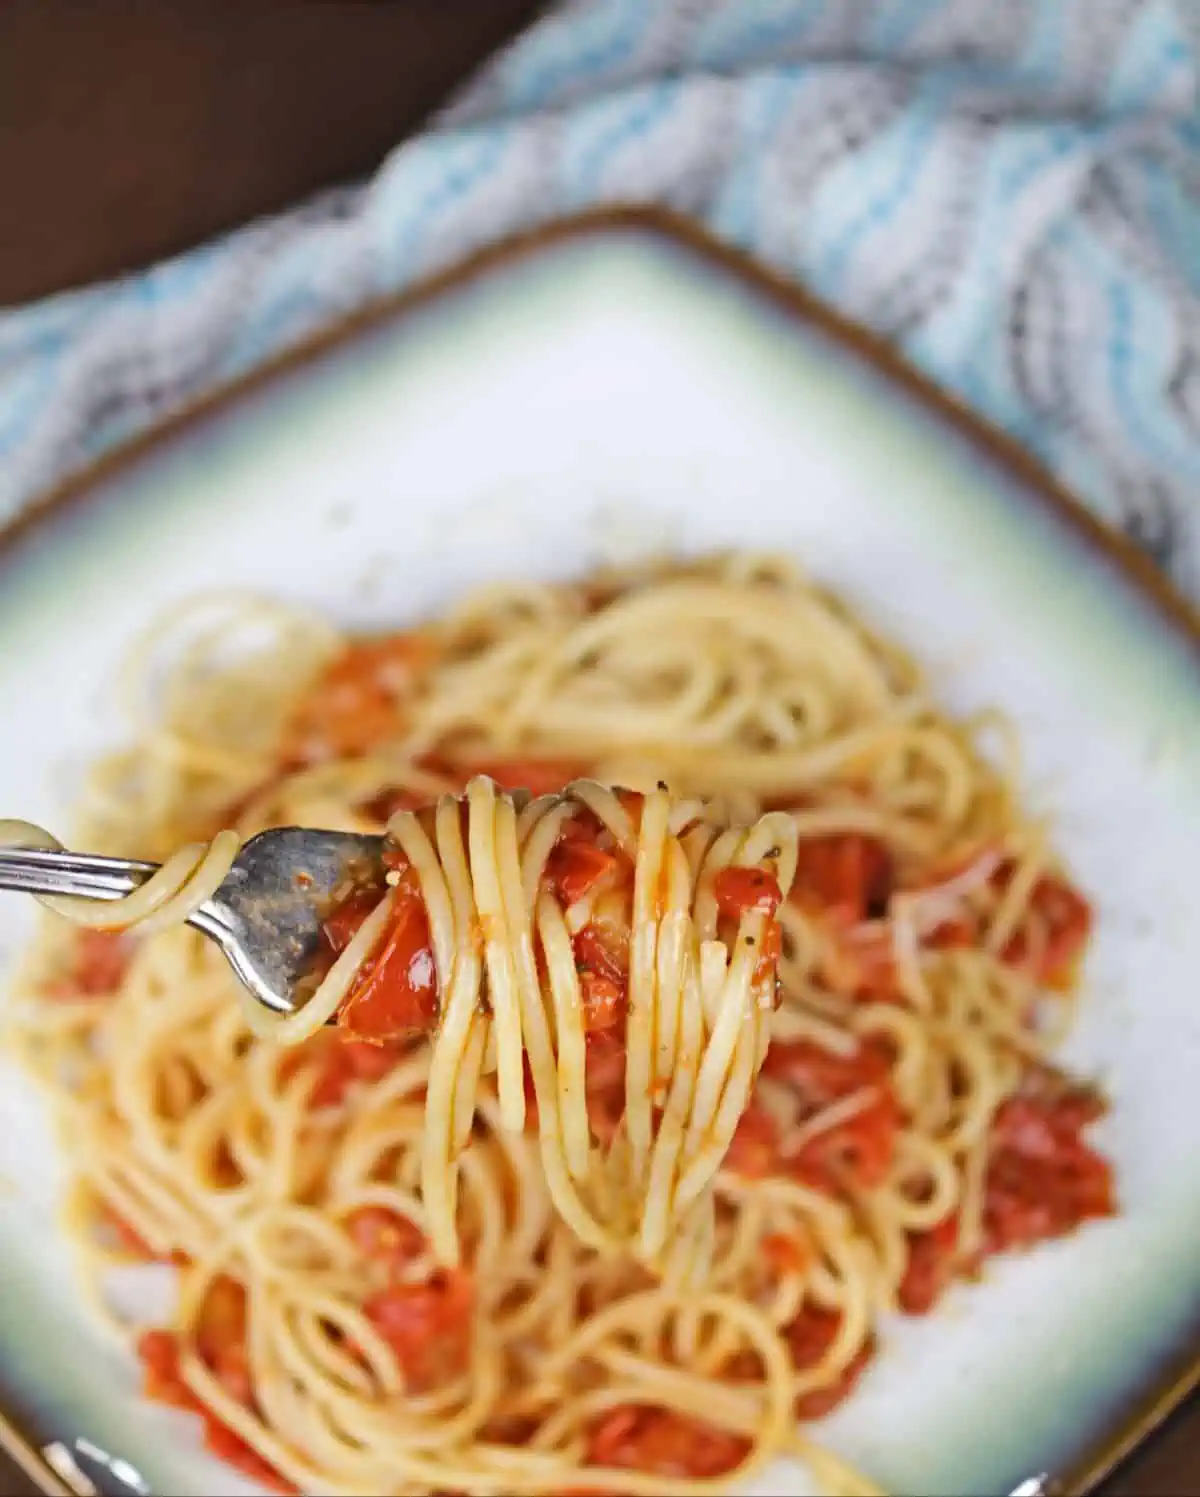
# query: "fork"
{"type": "Point", "coordinates": [265, 916]}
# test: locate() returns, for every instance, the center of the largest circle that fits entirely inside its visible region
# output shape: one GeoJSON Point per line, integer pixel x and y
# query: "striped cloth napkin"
{"type": "Point", "coordinates": [1008, 189]}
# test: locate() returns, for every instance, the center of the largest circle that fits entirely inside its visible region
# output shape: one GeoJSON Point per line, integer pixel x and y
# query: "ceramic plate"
{"type": "Point", "coordinates": [615, 385]}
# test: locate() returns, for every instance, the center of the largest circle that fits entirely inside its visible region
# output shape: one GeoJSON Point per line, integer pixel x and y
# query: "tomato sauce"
{"type": "Point", "coordinates": [98, 966]}
{"type": "Point", "coordinates": [1044, 1179]}
{"type": "Point", "coordinates": [358, 702]}
{"type": "Point", "coordinates": [427, 1325]}
{"type": "Point", "coordinates": [638, 1437]}
{"type": "Point", "coordinates": [809, 1339]}
{"type": "Point", "coordinates": [846, 877]}
{"type": "Point", "coordinates": [221, 1345]}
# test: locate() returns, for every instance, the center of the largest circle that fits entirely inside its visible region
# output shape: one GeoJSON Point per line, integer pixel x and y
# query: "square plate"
{"type": "Point", "coordinates": [609, 385]}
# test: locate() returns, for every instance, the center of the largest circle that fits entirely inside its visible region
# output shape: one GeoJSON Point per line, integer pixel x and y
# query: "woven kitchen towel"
{"type": "Point", "coordinates": [1009, 189]}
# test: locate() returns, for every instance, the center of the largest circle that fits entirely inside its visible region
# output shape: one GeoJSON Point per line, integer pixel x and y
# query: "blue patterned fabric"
{"type": "Point", "coordinates": [1009, 189]}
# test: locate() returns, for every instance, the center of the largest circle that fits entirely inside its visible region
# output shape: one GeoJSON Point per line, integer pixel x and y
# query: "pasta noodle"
{"type": "Point", "coordinates": [533, 1329]}
{"type": "Point", "coordinates": [698, 1008]}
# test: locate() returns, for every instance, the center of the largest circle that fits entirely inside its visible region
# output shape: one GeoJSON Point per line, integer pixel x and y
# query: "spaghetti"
{"type": "Point", "coordinates": [906, 1124]}
{"type": "Point", "coordinates": [480, 934]}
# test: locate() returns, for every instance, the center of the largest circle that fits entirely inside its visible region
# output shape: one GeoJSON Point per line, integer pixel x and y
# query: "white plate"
{"type": "Point", "coordinates": [612, 387]}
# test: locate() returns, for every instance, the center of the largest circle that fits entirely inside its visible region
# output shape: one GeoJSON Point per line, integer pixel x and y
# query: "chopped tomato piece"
{"type": "Point", "coordinates": [1066, 918]}
{"type": "Point", "coordinates": [228, 1446]}
{"type": "Point", "coordinates": [745, 891]}
{"type": "Point", "coordinates": [602, 980]}
{"type": "Point", "coordinates": [384, 1236]}
{"type": "Point", "coordinates": [393, 799]}
{"type": "Point", "coordinates": [1029, 1202]}
{"type": "Point", "coordinates": [605, 1002]}
{"type": "Point", "coordinates": [811, 1335]}
{"type": "Point", "coordinates": [342, 1062]}
{"type": "Point", "coordinates": [575, 867]}
{"type": "Point", "coordinates": [158, 1352]}
{"type": "Point", "coordinates": [342, 924]}
{"type": "Point", "coordinates": [820, 1076]}
{"type": "Point", "coordinates": [394, 858]}
{"type": "Point", "coordinates": [1044, 1179]}
{"type": "Point", "coordinates": [604, 947]}
{"type": "Point", "coordinates": [861, 963]}
{"type": "Point", "coordinates": [932, 1265]}
{"type": "Point", "coordinates": [786, 1254]}
{"type": "Point", "coordinates": [951, 935]}
{"type": "Point", "coordinates": [100, 960]}
{"type": "Point", "coordinates": [538, 776]}
{"type": "Point", "coordinates": [1044, 1124]}
{"type": "Point", "coordinates": [846, 876]}
{"type": "Point", "coordinates": [395, 992]}
{"type": "Point", "coordinates": [770, 951]}
{"type": "Point", "coordinates": [221, 1337]}
{"type": "Point", "coordinates": [859, 1150]}
{"type": "Point", "coordinates": [809, 1338]}
{"type": "Point", "coordinates": [754, 1149]}
{"type": "Point", "coordinates": [358, 702]}
{"type": "Point", "coordinates": [636, 1438]}
{"type": "Point", "coordinates": [428, 1326]}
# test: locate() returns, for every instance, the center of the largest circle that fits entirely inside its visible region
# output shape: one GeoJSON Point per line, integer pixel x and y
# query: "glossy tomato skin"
{"type": "Point", "coordinates": [342, 924]}
{"type": "Point", "coordinates": [576, 866]}
{"type": "Point", "coordinates": [395, 992]}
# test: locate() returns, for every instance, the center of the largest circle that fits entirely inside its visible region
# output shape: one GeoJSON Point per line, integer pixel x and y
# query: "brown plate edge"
{"type": "Point", "coordinates": [1005, 452]}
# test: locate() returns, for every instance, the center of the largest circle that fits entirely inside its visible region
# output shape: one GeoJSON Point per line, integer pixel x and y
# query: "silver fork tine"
{"type": "Point", "coordinates": [266, 916]}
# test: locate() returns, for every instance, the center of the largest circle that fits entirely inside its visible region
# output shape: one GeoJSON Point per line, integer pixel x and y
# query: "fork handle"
{"type": "Point", "coordinates": [38, 870]}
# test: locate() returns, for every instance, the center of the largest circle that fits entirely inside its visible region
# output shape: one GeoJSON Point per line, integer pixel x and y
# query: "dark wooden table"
{"type": "Point", "coordinates": [130, 129]}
